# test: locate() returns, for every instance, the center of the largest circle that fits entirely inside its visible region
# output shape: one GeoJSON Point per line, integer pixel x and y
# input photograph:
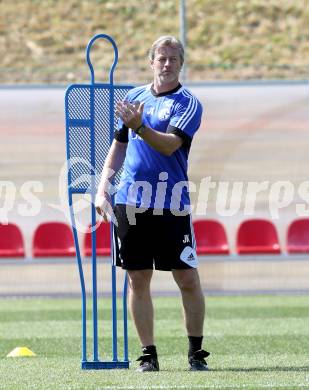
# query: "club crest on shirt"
{"type": "Point", "coordinates": [150, 111]}
{"type": "Point", "coordinates": [164, 113]}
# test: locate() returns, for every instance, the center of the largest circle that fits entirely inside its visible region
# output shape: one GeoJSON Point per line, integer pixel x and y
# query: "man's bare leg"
{"type": "Point", "coordinates": [194, 312]}
{"type": "Point", "coordinates": [192, 298]}
{"type": "Point", "coordinates": [140, 303]}
{"type": "Point", "coordinates": [141, 309]}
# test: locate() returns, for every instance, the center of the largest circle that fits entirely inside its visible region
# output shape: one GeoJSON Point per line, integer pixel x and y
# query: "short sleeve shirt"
{"type": "Point", "coordinates": [151, 179]}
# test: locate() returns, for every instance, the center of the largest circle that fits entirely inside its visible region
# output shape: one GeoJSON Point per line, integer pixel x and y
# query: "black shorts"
{"type": "Point", "coordinates": [163, 242]}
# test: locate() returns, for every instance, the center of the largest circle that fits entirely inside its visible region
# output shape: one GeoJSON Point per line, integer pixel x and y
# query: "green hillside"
{"type": "Point", "coordinates": [44, 40]}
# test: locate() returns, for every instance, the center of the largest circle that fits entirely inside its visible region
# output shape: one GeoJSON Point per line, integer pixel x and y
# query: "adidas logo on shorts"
{"type": "Point", "coordinates": [188, 256]}
{"type": "Point", "coordinates": [191, 257]}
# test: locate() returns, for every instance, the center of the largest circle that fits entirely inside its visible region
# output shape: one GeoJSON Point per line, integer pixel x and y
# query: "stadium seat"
{"type": "Point", "coordinates": [298, 236]}
{"type": "Point", "coordinates": [53, 239]}
{"type": "Point", "coordinates": [103, 240]}
{"type": "Point", "coordinates": [257, 236]}
{"type": "Point", "coordinates": [11, 241]}
{"type": "Point", "coordinates": [210, 238]}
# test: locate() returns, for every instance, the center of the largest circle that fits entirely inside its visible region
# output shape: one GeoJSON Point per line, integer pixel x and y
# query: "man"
{"type": "Point", "coordinates": [156, 126]}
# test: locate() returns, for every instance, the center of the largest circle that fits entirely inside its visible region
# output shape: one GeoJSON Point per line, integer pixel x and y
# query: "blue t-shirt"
{"type": "Point", "coordinates": [149, 178]}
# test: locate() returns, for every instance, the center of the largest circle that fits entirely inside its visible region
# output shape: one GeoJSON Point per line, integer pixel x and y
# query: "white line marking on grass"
{"type": "Point", "coordinates": [202, 387]}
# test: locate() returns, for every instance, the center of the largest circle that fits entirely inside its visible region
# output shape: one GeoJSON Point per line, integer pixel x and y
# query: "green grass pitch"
{"type": "Point", "coordinates": [259, 342]}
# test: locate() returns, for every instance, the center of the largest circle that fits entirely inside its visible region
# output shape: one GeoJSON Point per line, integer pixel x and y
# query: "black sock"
{"type": "Point", "coordinates": [195, 344]}
{"type": "Point", "coordinates": [151, 350]}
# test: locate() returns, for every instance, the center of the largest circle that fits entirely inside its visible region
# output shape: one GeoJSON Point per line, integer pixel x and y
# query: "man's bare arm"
{"type": "Point", "coordinates": [164, 143]}
{"type": "Point", "coordinates": [112, 165]}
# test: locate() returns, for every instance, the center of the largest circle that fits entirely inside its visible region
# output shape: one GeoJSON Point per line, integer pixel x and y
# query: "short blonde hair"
{"type": "Point", "coordinates": [167, 40]}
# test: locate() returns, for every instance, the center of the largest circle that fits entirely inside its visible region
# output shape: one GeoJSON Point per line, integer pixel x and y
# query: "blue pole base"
{"type": "Point", "coordinates": [104, 365]}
